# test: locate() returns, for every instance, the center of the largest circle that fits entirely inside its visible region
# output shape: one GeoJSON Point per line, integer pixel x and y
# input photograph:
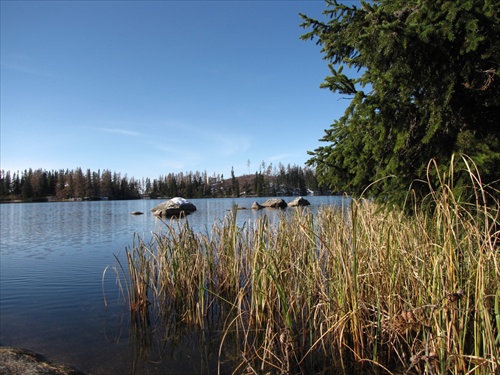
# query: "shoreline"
{"type": "Point", "coordinates": [23, 361]}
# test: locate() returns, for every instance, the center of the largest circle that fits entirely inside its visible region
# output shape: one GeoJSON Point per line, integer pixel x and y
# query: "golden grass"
{"type": "Point", "coordinates": [362, 289]}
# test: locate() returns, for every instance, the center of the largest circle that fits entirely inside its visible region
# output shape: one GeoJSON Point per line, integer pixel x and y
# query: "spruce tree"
{"type": "Point", "coordinates": [425, 85]}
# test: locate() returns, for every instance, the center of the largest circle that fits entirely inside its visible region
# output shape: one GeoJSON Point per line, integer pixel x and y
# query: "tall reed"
{"type": "Point", "coordinates": [361, 288]}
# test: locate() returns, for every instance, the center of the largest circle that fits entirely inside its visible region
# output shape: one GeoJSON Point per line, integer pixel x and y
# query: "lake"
{"type": "Point", "coordinates": [52, 259]}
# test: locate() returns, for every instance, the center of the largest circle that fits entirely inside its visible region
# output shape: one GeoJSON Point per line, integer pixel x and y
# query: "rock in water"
{"type": "Point", "coordinates": [256, 206]}
{"type": "Point", "coordinates": [174, 207]}
{"type": "Point", "coordinates": [299, 201]}
{"type": "Point", "coordinates": [275, 203]}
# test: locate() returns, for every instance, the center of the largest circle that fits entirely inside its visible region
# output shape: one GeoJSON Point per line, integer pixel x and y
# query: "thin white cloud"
{"type": "Point", "coordinates": [19, 63]}
{"type": "Point", "coordinates": [172, 164]}
{"type": "Point", "coordinates": [231, 145]}
{"type": "Point", "coordinates": [129, 133]}
{"type": "Point", "coordinates": [279, 157]}
{"type": "Point", "coordinates": [206, 136]}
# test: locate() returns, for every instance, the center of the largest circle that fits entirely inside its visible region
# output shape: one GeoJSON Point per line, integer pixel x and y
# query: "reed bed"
{"type": "Point", "coordinates": [357, 289]}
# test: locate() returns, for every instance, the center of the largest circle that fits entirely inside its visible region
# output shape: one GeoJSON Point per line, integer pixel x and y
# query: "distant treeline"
{"type": "Point", "coordinates": [39, 184]}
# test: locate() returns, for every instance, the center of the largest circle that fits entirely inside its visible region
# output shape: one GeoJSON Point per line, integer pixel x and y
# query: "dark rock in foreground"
{"type": "Point", "coordinates": [299, 201]}
{"type": "Point", "coordinates": [15, 361]}
{"type": "Point", "coordinates": [174, 207]}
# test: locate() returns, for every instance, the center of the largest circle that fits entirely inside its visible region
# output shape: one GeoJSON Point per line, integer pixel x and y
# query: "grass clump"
{"type": "Point", "coordinates": [357, 289]}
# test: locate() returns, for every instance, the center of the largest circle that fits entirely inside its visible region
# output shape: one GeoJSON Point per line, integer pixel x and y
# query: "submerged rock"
{"type": "Point", "coordinates": [14, 361]}
{"type": "Point", "coordinates": [174, 207]}
{"type": "Point", "coordinates": [256, 206]}
{"type": "Point", "coordinates": [236, 208]}
{"type": "Point", "coordinates": [299, 201]}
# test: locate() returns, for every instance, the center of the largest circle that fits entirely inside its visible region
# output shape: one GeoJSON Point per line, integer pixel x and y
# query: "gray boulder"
{"type": "Point", "coordinates": [174, 207]}
{"type": "Point", "coordinates": [275, 203]}
{"type": "Point", "coordinates": [299, 201]}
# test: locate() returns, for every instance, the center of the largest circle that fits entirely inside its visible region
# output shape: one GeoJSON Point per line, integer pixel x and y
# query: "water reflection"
{"type": "Point", "coordinates": [52, 258]}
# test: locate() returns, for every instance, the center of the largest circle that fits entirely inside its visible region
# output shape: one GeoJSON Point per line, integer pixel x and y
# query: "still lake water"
{"type": "Point", "coordinates": [52, 258]}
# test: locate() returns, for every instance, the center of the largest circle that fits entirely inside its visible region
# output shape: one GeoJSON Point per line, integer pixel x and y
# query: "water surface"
{"type": "Point", "coordinates": [52, 258]}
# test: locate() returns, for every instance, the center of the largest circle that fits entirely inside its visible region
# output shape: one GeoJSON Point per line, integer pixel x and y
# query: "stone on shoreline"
{"type": "Point", "coordinates": [15, 361]}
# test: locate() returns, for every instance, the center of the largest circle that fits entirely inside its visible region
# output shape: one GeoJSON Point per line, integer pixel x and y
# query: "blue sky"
{"type": "Point", "coordinates": [157, 87]}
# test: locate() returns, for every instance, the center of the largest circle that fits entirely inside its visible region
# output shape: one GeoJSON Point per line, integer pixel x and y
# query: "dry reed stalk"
{"type": "Point", "coordinates": [363, 288]}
